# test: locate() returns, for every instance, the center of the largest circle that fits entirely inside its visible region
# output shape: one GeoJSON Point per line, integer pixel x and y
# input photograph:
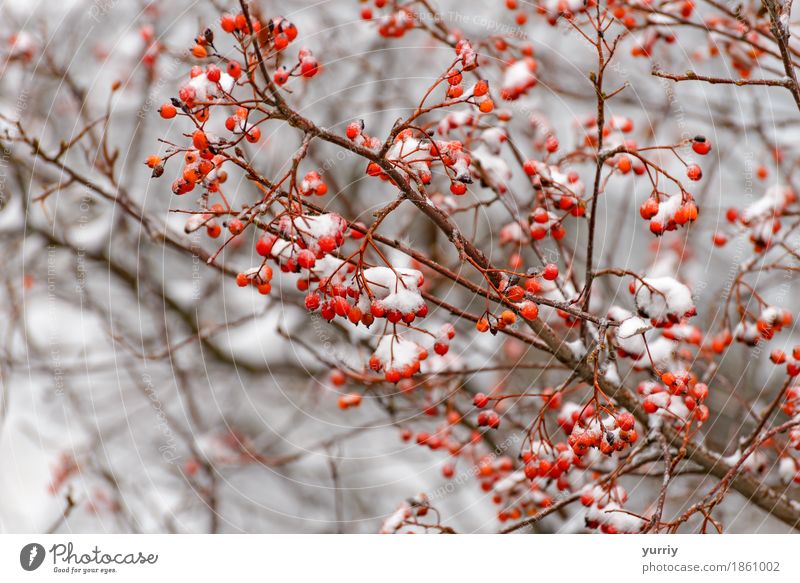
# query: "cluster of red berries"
{"type": "Point", "coordinates": [518, 79]}
{"type": "Point", "coordinates": [398, 357]}
{"type": "Point", "coordinates": [479, 94]}
{"type": "Point", "coordinates": [543, 222]}
{"type": "Point", "coordinates": [277, 35]}
{"type": "Point", "coordinates": [792, 362]}
{"type": "Point", "coordinates": [761, 219]}
{"type": "Point", "coordinates": [260, 277]}
{"type": "Point", "coordinates": [605, 510]}
{"type": "Point", "coordinates": [237, 123]}
{"type": "Point", "coordinates": [467, 55]}
{"type": "Point", "coordinates": [719, 342]}
{"type": "Point", "coordinates": [394, 24]}
{"type": "Point", "coordinates": [312, 184]}
{"type": "Point", "coordinates": [772, 320]}
{"type": "Point", "coordinates": [355, 132]}
{"type": "Point", "coordinates": [791, 403]}
{"type": "Point", "coordinates": [200, 166]}
{"type": "Point", "coordinates": [204, 86]}
{"type": "Point", "coordinates": [309, 239]}
{"type": "Point", "coordinates": [307, 66]}
{"type": "Point", "coordinates": [680, 396]}
{"type": "Point", "coordinates": [625, 165]}
{"type": "Point", "coordinates": [565, 190]}
{"type": "Point", "coordinates": [486, 418]}
{"type": "Point", "coordinates": [609, 435]}
{"type": "Point", "coordinates": [676, 211]}
{"type": "Point", "coordinates": [489, 419]}
{"type": "Point", "coordinates": [546, 461]}
{"type": "Point", "coordinates": [443, 438]}
{"type": "Point", "coordinates": [516, 294]}
{"type": "Point", "coordinates": [417, 155]}
{"type": "Point", "coordinates": [521, 497]}
{"type": "Point", "coordinates": [349, 400]}
{"type": "Point", "coordinates": [616, 132]}
{"type": "Point", "coordinates": [441, 345]}
{"type": "Point", "coordinates": [209, 220]}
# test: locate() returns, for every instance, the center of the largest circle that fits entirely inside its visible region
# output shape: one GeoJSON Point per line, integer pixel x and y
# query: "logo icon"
{"type": "Point", "coordinates": [31, 556]}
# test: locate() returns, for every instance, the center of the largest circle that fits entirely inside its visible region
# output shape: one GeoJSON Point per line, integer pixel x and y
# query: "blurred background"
{"type": "Point", "coordinates": [142, 391]}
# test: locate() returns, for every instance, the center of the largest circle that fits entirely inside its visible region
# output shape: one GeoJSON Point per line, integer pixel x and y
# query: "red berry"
{"type": "Point", "coordinates": [529, 311]}
{"type": "Point", "coordinates": [168, 111]}
{"type": "Point", "coordinates": [234, 69]}
{"type": "Point", "coordinates": [550, 271]}
{"type": "Point", "coordinates": [701, 146]}
{"type": "Point", "coordinates": [281, 76]}
{"type": "Point", "coordinates": [458, 188]}
{"type": "Point", "coordinates": [625, 421]}
{"type": "Point", "coordinates": [306, 259]}
{"type": "Point", "coordinates": [228, 23]}
{"type": "Point", "coordinates": [649, 209]}
{"type": "Point", "coordinates": [312, 301]}
{"type": "Point", "coordinates": [253, 135]}
{"type": "Point", "coordinates": [235, 226]}
{"type": "Point", "coordinates": [529, 167]}
{"type": "Point", "coordinates": [309, 68]}
{"type": "Point", "coordinates": [778, 356]}
{"type": "Point", "coordinates": [200, 140]}
{"type": "Point", "coordinates": [213, 73]}
{"type": "Point", "coordinates": [353, 130]}
{"type": "Point", "coordinates": [264, 245]}
{"type": "Point", "coordinates": [480, 400]}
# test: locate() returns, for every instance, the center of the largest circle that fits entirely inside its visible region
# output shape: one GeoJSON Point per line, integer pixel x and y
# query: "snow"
{"type": "Point", "coordinates": [495, 167]}
{"type": "Point", "coordinates": [512, 233]}
{"type": "Point", "coordinates": [312, 228]}
{"type": "Point", "coordinates": [611, 374]}
{"type": "Point", "coordinates": [746, 332]}
{"type": "Point", "coordinates": [396, 353]}
{"type": "Point", "coordinates": [667, 209]}
{"type": "Point", "coordinates": [508, 483]}
{"type": "Point", "coordinates": [518, 78]}
{"type": "Point", "coordinates": [632, 327]}
{"type": "Point", "coordinates": [404, 301]}
{"type": "Point", "coordinates": [205, 90]}
{"type": "Point", "coordinates": [773, 202]}
{"type": "Point", "coordinates": [787, 469]}
{"type": "Point", "coordinates": [396, 519]}
{"type": "Point", "coordinates": [494, 139]}
{"type": "Point", "coordinates": [396, 289]}
{"type": "Point", "coordinates": [455, 120]}
{"type": "Point", "coordinates": [613, 515]}
{"type": "Point", "coordinates": [577, 348]}
{"type": "Point", "coordinates": [664, 298]}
